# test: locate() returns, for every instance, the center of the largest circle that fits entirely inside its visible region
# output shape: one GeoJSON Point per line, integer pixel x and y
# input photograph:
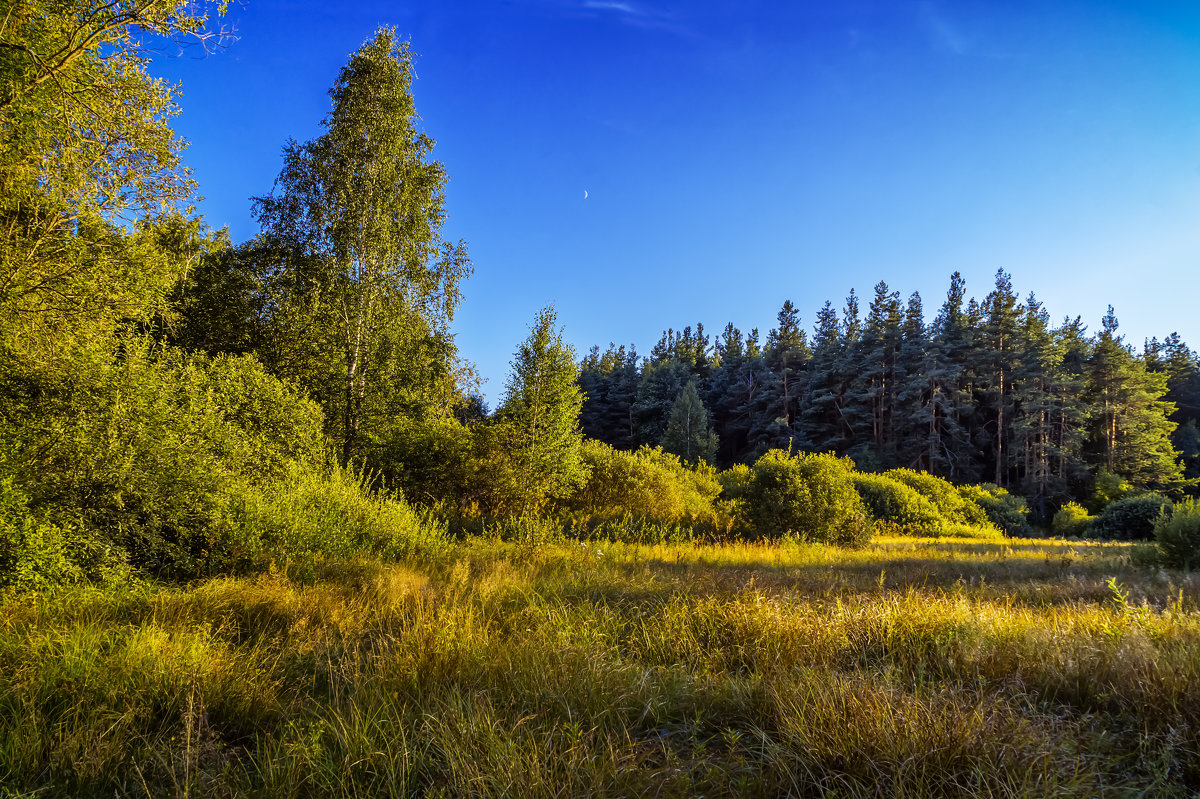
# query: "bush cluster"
{"type": "Point", "coordinates": [180, 465]}
{"type": "Point", "coordinates": [1178, 535]}
{"type": "Point", "coordinates": [1131, 518]}
{"type": "Point", "coordinates": [897, 508]}
{"type": "Point", "coordinates": [1007, 512]}
{"type": "Point", "coordinates": [944, 495]}
{"type": "Point", "coordinates": [648, 484]}
{"type": "Point", "coordinates": [809, 496]}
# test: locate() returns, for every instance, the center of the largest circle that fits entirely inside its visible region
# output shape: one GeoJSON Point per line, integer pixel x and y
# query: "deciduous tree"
{"type": "Point", "coordinates": [360, 211]}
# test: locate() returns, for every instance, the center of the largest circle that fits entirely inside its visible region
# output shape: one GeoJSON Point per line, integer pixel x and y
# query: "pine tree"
{"type": "Point", "coordinates": [913, 394]}
{"type": "Point", "coordinates": [540, 415]}
{"type": "Point", "coordinates": [723, 398]}
{"type": "Point", "coordinates": [660, 383]}
{"type": "Point", "coordinates": [1045, 435]}
{"type": "Point", "coordinates": [875, 379]}
{"type": "Point", "coordinates": [951, 413]}
{"type": "Point", "coordinates": [688, 432]}
{"type": "Point", "coordinates": [996, 358]}
{"type": "Point", "coordinates": [786, 355]}
{"type": "Point", "coordinates": [1131, 431]}
{"type": "Point", "coordinates": [822, 427]}
{"type": "Point", "coordinates": [1183, 388]}
{"type": "Point", "coordinates": [609, 381]}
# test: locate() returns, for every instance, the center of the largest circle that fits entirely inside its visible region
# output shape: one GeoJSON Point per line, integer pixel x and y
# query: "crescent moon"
{"type": "Point", "coordinates": [585, 194]}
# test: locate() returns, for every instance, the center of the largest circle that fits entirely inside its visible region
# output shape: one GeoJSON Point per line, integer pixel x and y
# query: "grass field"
{"type": "Point", "coordinates": [909, 668]}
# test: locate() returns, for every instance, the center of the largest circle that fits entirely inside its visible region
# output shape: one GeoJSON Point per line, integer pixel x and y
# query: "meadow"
{"type": "Point", "coordinates": [909, 667]}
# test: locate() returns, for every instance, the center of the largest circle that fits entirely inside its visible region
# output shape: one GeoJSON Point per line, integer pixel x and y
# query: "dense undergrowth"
{"type": "Point", "coordinates": [909, 667]}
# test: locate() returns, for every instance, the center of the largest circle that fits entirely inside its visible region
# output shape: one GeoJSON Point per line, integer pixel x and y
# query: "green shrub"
{"type": "Point", "coordinates": [314, 514]}
{"type": "Point", "coordinates": [1178, 535]}
{"type": "Point", "coordinates": [33, 554]}
{"type": "Point", "coordinates": [944, 495]}
{"type": "Point", "coordinates": [1006, 511]}
{"type": "Point", "coordinates": [647, 484]}
{"type": "Point", "coordinates": [1131, 518]}
{"type": "Point", "coordinates": [808, 496]}
{"type": "Point", "coordinates": [150, 448]}
{"type": "Point", "coordinates": [734, 481]}
{"type": "Point", "coordinates": [1106, 489]}
{"type": "Point", "coordinates": [1071, 521]}
{"type": "Point", "coordinates": [897, 508]}
{"type": "Point", "coordinates": [430, 460]}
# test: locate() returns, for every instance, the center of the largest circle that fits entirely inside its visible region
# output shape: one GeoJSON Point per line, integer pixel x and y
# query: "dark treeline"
{"type": "Point", "coordinates": [987, 391]}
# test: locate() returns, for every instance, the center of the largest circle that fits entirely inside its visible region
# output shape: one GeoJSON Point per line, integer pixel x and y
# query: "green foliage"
{"type": "Point", "coordinates": [148, 447]}
{"type": "Point", "coordinates": [364, 283]}
{"type": "Point", "coordinates": [86, 148]}
{"type": "Point", "coordinates": [735, 481]}
{"type": "Point", "coordinates": [1071, 521]}
{"type": "Point", "coordinates": [1131, 518]}
{"type": "Point", "coordinates": [1007, 512]}
{"type": "Point", "coordinates": [1178, 534]}
{"type": "Point", "coordinates": [688, 433]}
{"type": "Point", "coordinates": [1108, 488]}
{"type": "Point", "coordinates": [809, 496]}
{"type": "Point", "coordinates": [33, 554]}
{"type": "Point", "coordinates": [1131, 427]}
{"type": "Point", "coordinates": [897, 508]}
{"type": "Point", "coordinates": [430, 460]}
{"type": "Point", "coordinates": [648, 484]}
{"type": "Point", "coordinates": [944, 495]}
{"type": "Point", "coordinates": [314, 514]}
{"type": "Point", "coordinates": [538, 421]}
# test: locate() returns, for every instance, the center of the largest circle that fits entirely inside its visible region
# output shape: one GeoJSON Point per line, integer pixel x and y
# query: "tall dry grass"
{"type": "Point", "coordinates": [908, 668]}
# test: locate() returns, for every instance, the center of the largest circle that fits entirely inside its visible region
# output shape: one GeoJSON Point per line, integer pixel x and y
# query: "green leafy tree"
{"type": "Point", "coordinates": [359, 211]}
{"type": "Point", "coordinates": [86, 148]}
{"type": "Point", "coordinates": [689, 434]}
{"type": "Point", "coordinates": [539, 417]}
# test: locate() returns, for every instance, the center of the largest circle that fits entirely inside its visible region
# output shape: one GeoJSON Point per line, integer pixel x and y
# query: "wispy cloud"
{"type": "Point", "coordinates": [944, 34]}
{"type": "Point", "coordinates": [638, 15]}
{"type": "Point", "coordinates": [602, 5]}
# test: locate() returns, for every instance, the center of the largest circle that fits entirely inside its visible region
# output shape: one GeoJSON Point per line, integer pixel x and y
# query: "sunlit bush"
{"type": "Point", "coordinates": [735, 481]}
{"type": "Point", "coordinates": [1071, 521]}
{"type": "Point", "coordinates": [1007, 512]}
{"type": "Point", "coordinates": [944, 495]}
{"type": "Point", "coordinates": [646, 484]}
{"type": "Point", "coordinates": [1178, 535]}
{"type": "Point", "coordinates": [897, 508]}
{"type": "Point", "coordinates": [322, 513]}
{"type": "Point", "coordinates": [810, 496]}
{"type": "Point", "coordinates": [149, 448]}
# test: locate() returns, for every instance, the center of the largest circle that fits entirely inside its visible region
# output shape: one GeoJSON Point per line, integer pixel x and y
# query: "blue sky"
{"type": "Point", "coordinates": [738, 153]}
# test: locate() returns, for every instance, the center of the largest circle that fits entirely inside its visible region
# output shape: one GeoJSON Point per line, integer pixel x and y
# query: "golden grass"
{"type": "Point", "coordinates": [912, 667]}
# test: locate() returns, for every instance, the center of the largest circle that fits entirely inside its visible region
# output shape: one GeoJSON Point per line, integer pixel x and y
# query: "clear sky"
{"type": "Point", "coordinates": [737, 153]}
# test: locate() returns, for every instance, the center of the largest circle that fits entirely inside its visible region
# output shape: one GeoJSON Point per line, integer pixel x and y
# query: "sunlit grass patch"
{"type": "Point", "coordinates": [917, 667]}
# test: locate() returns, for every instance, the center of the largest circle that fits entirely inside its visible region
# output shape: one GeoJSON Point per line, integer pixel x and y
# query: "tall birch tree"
{"type": "Point", "coordinates": [359, 212]}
